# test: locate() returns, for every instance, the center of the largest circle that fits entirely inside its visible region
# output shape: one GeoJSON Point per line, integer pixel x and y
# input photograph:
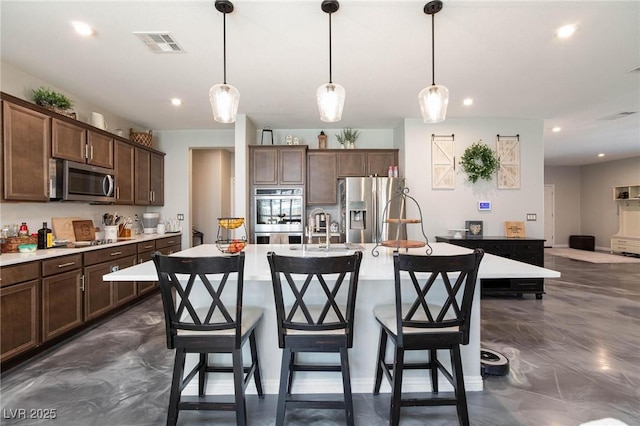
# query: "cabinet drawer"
{"type": "Point", "coordinates": [166, 242]}
{"type": "Point", "coordinates": [61, 264]}
{"type": "Point", "coordinates": [19, 273]}
{"type": "Point", "coordinates": [170, 249]}
{"type": "Point", "coordinates": [105, 255]}
{"type": "Point", "coordinates": [146, 246]}
{"type": "Point", "coordinates": [498, 248]}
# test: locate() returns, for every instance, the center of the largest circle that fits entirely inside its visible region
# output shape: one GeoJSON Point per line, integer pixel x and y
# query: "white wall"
{"type": "Point", "coordinates": [444, 209]}
{"type": "Point", "coordinates": [567, 182]}
{"type": "Point", "coordinates": [177, 144]}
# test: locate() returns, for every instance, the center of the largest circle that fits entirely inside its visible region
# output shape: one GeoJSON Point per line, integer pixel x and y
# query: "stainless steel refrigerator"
{"type": "Point", "coordinates": [363, 201]}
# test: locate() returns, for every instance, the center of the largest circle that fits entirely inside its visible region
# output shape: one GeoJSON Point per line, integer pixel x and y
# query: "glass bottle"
{"type": "Point", "coordinates": [45, 237]}
{"type": "Point", "coordinates": [24, 230]}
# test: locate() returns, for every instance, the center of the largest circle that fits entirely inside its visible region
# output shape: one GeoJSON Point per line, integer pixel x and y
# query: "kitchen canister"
{"type": "Point", "coordinates": [111, 233]}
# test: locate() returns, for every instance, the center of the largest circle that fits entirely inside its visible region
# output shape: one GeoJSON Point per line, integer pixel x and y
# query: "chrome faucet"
{"type": "Point", "coordinates": [312, 226]}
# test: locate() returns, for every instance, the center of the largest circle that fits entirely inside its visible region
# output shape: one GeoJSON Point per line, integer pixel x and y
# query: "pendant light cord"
{"type": "Point", "coordinates": [330, 76]}
{"type": "Point", "coordinates": [433, 49]}
{"type": "Point", "coordinates": [224, 44]}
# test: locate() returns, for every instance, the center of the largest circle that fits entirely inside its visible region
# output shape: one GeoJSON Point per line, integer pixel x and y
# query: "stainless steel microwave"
{"type": "Point", "coordinates": [70, 181]}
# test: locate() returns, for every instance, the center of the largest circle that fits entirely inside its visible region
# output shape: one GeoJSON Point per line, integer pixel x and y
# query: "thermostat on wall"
{"type": "Point", "coordinates": [484, 206]}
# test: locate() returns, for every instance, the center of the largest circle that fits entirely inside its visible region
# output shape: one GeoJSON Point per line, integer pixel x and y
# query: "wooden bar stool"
{"type": "Point", "coordinates": [314, 321]}
{"type": "Point", "coordinates": [414, 323]}
{"type": "Point", "coordinates": [222, 325]}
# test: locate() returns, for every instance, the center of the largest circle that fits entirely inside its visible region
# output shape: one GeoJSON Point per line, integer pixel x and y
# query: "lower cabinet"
{"type": "Point", "coordinates": [169, 245]}
{"type": "Point", "coordinates": [145, 253]}
{"type": "Point", "coordinates": [527, 250]}
{"type": "Point", "coordinates": [61, 295]}
{"type": "Point", "coordinates": [19, 309]}
{"type": "Point", "coordinates": [100, 297]}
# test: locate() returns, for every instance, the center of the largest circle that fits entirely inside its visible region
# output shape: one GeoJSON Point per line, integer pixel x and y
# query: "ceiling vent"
{"type": "Point", "coordinates": [159, 42]}
{"type": "Point", "coordinates": [619, 115]}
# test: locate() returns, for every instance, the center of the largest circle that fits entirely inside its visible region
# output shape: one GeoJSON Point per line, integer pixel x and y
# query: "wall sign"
{"type": "Point", "coordinates": [443, 162]}
{"type": "Point", "coordinates": [508, 148]}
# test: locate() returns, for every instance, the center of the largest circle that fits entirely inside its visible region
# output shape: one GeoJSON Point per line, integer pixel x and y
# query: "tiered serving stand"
{"type": "Point", "coordinates": [224, 241]}
{"type": "Point", "coordinates": [402, 196]}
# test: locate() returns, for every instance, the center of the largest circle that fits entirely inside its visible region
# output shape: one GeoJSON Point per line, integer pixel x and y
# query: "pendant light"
{"type": "Point", "coordinates": [330, 96]}
{"type": "Point", "coordinates": [435, 98]}
{"type": "Point", "coordinates": [224, 98]}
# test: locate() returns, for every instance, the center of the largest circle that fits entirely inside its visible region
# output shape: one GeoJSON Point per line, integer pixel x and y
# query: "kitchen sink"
{"type": "Point", "coordinates": [333, 248]}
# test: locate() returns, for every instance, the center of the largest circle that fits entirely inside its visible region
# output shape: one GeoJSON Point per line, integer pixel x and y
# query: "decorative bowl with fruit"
{"type": "Point", "coordinates": [231, 246]}
{"type": "Point", "coordinates": [230, 222]}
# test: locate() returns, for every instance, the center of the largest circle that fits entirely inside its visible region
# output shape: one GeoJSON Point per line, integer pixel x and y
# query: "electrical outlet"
{"type": "Point", "coordinates": [180, 216]}
{"type": "Point", "coordinates": [532, 217]}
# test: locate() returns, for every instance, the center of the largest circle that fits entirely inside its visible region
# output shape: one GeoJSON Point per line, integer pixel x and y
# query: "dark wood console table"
{"type": "Point", "coordinates": [528, 250]}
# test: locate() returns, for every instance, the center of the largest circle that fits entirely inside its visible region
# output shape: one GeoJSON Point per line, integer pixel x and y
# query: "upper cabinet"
{"type": "Point", "coordinates": [26, 148]}
{"type": "Point", "coordinates": [277, 165]}
{"type": "Point", "coordinates": [149, 178]}
{"type": "Point", "coordinates": [322, 176]}
{"type": "Point", "coordinates": [125, 171]}
{"type": "Point", "coordinates": [73, 142]}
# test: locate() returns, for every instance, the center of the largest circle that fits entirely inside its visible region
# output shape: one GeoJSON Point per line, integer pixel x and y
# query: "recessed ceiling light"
{"type": "Point", "coordinates": [83, 28]}
{"type": "Point", "coordinates": [468, 102]}
{"type": "Point", "coordinates": [601, 154]}
{"type": "Point", "coordinates": [556, 129]}
{"type": "Point", "coordinates": [566, 31]}
{"type": "Point", "coordinates": [176, 101]}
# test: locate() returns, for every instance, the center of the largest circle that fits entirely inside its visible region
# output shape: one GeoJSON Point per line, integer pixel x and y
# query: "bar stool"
{"type": "Point", "coordinates": [413, 323]}
{"type": "Point", "coordinates": [223, 325]}
{"type": "Point", "coordinates": [314, 321]}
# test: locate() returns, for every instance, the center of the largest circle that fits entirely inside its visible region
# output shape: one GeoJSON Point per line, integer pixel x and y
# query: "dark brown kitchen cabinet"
{"type": "Point", "coordinates": [352, 163]}
{"type": "Point", "coordinates": [169, 245]}
{"type": "Point", "coordinates": [124, 155]}
{"type": "Point", "coordinates": [278, 165]}
{"type": "Point", "coordinates": [68, 141]}
{"type": "Point", "coordinates": [149, 178]}
{"type": "Point", "coordinates": [100, 296]}
{"type": "Point", "coordinates": [363, 162]}
{"type": "Point", "coordinates": [61, 295]}
{"type": "Point", "coordinates": [100, 149]}
{"type": "Point", "coordinates": [378, 161]}
{"type": "Point", "coordinates": [124, 291]}
{"type": "Point", "coordinates": [322, 177]}
{"type": "Point", "coordinates": [26, 148]}
{"type": "Point", "coordinates": [74, 143]}
{"type": "Point", "coordinates": [156, 183]}
{"type": "Point", "coordinates": [145, 253]}
{"type": "Point", "coordinates": [19, 309]}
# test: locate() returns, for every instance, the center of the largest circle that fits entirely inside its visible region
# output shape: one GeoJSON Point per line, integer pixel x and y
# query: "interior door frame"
{"type": "Point", "coordinates": [549, 215]}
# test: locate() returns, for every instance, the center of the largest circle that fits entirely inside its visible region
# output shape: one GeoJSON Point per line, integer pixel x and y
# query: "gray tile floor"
{"type": "Point", "coordinates": [574, 355]}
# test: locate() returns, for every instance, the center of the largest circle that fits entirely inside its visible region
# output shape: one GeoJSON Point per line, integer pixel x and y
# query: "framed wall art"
{"type": "Point", "coordinates": [474, 228]}
{"type": "Point", "coordinates": [443, 162]}
{"type": "Point", "coordinates": [508, 149]}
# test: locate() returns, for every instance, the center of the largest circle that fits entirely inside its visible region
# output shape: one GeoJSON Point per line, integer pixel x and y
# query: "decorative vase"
{"type": "Point", "coordinates": [352, 145]}
{"type": "Point", "coordinates": [342, 146]}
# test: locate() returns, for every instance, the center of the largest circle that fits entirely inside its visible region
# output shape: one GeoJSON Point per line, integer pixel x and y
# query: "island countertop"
{"type": "Point", "coordinates": [375, 287]}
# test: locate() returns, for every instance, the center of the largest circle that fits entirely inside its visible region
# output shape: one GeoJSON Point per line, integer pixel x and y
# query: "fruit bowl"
{"type": "Point", "coordinates": [231, 246]}
{"type": "Point", "coordinates": [230, 222]}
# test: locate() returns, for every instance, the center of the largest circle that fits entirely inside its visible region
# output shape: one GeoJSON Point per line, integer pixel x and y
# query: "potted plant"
{"type": "Point", "coordinates": [349, 137]}
{"type": "Point", "coordinates": [50, 99]}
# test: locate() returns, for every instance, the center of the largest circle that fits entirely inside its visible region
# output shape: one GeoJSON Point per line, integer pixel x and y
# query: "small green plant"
{"type": "Point", "coordinates": [479, 162]}
{"type": "Point", "coordinates": [46, 97]}
{"type": "Point", "coordinates": [348, 135]}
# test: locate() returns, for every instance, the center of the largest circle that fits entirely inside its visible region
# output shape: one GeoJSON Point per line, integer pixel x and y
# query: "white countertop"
{"type": "Point", "coordinates": [372, 268]}
{"type": "Point", "coordinates": [7, 259]}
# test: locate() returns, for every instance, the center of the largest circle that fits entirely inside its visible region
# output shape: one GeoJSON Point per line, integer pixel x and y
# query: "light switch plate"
{"type": "Point", "coordinates": [532, 217]}
{"type": "Point", "coordinates": [180, 216]}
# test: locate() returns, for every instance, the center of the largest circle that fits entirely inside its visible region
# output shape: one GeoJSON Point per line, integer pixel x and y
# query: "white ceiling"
{"type": "Point", "coordinates": [503, 54]}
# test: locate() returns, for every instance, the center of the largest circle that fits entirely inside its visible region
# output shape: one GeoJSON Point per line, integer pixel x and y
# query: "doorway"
{"type": "Point", "coordinates": [549, 215]}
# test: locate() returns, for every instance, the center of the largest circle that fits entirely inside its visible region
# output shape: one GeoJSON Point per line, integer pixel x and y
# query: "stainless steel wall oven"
{"type": "Point", "coordinates": [278, 212]}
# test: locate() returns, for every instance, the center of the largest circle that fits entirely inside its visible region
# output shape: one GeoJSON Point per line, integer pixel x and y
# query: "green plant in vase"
{"type": "Point", "coordinates": [348, 137]}
{"type": "Point", "coordinates": [48, 98]}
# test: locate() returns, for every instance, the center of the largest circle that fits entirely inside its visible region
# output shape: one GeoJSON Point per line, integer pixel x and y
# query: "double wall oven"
{"type": "Point", "coordinates": [278, 215]}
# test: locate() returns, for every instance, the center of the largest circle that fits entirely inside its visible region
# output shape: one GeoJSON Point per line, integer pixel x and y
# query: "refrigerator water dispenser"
{"type": "Point", "coordinates": [357, 215]}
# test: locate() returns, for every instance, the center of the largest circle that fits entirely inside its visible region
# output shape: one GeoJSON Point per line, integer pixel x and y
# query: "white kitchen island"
{"type": "Point", "coordinates": [375, 287]}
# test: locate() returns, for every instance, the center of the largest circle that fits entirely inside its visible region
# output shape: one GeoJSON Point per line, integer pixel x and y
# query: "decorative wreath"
{"type": "Point", "coordinates": [479, 162]}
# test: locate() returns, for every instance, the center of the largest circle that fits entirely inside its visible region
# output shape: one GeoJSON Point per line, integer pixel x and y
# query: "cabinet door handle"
{"type": "Point", "coordinates": [148, 247]}
{"type": "Point", "coordinates": [86, 151]}
{"type": "Point", "coordinates": [117, 192]}
{"type": "Point", "coordinates": [115, 253]}
{"type": "Point", "coordinates": [91, 152]}
{"type": "Point", "coordinates": [64, 265]}
{"type": "Point", "coordinates": [82, 283]}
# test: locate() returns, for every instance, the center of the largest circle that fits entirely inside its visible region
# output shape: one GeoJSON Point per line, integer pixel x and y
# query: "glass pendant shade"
{"type": "Point", "coordinates": [224, 100]}
{"type": "Point", "coordinates": [330, 98]}
{"type": "Point", "coordinates": [433, 103]}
